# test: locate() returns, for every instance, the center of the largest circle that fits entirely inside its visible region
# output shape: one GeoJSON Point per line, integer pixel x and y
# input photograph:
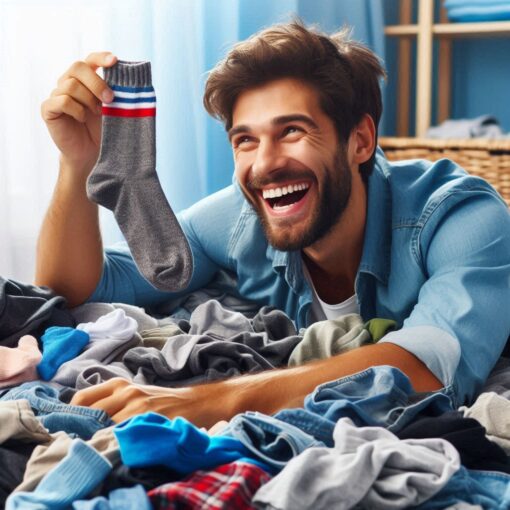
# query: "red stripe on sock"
{"type": "Point", "coordinates": [121, 112]}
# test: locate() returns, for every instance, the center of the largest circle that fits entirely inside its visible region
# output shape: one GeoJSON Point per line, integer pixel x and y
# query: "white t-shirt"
{"type": "Point", "coordinates": [322, 311]}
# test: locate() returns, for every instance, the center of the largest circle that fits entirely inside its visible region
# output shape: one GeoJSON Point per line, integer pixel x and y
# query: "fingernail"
{"type": "Point", "coordinates": [107, 96]}
{"type": "Point", "coordinates": [110, 58]}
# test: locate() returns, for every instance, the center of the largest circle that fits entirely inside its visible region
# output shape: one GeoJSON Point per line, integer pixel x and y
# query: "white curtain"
{"type": "Point", "coordinates": [39, 39]}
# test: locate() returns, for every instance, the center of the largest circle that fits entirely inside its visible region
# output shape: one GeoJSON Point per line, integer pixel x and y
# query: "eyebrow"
{"type": "Point", "coordinates": [277, 121]}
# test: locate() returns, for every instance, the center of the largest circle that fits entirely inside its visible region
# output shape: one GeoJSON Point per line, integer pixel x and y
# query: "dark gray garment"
{"type": "Point", "coordinates": [125, 181]}
{"type": "Point", "coordinates": [220, 344]}
{"type": "Point", "coordinates": [29, 310]}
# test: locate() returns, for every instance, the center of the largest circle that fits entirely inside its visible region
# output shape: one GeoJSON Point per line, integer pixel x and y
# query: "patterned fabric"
{"type": "Point", "coordinates": [228, 486]}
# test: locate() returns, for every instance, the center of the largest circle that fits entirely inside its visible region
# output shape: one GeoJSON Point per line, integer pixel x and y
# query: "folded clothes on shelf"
{"type": "Point", "coordinates": [485, 126]}
{"type": "Point", "coordinates": [477, 10]}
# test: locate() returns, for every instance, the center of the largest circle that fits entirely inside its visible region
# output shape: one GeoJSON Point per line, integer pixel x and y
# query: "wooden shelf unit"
{"type": "Point", "coordinates": [425, 30]}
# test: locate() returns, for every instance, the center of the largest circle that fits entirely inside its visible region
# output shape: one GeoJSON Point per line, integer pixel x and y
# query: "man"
{"type": "Point", "coordinates": [317, 223]}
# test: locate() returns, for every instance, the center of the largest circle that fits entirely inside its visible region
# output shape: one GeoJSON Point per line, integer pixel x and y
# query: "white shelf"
{"type": "Point", "coordinates": [481, 29]}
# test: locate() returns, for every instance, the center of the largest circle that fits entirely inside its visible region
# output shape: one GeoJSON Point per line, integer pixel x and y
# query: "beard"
{"type": "Point", "coordinates": [335, 191]}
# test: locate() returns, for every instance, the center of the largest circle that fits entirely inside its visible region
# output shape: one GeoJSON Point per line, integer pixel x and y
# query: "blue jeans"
{"type": "Point", "coordinates": [489, 489]}
{"type": "Point", "coordinates": [55, 415]}
{"type": "Point", "coordinates": [379, 396]}
{"type": "Point", "coordinates": [313, 424]}
{"type": "Point", "coordinates": [270, 440]}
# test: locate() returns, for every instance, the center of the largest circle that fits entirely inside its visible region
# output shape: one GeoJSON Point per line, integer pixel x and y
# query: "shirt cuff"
{"type": "Point", "coordinates": [436, 348]}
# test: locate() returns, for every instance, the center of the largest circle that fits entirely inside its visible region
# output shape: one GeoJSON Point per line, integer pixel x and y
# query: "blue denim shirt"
{"type": "Point", "coordinates": [436, 259]}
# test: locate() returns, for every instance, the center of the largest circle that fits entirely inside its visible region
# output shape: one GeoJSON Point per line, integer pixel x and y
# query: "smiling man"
{"type": "Point", "coordinates": [317, 223]}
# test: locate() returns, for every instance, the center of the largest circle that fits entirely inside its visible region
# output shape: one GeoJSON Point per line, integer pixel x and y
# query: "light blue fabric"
{"type": "Point", "coordinates": [480, 13]}
{"type": "Point", "coordinates": [379, 396]}
{"type": "Point", "coordinates": [183, 40]}
{"type": "Point", "coordinates": [55, 415]}
{"type": "Point", "coordinates": [269, 440]}
{"type": "Point", "coordinates": [436, 259]}
{"type": "Point", "coordinates": [132, 498]}
{"type": "Point", "coordinates": [73, 478]}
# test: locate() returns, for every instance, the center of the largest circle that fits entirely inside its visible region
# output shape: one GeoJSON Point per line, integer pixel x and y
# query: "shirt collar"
{"type": "Point", "coordinates": [376, 257]}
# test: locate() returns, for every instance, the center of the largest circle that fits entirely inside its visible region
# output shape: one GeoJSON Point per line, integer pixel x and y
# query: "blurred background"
{"type": "Point", "coordinates": [183, 39]}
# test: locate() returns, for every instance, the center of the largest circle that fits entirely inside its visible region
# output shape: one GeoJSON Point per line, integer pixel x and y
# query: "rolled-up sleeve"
{"type": "Point", "coordinates": [461, 321]}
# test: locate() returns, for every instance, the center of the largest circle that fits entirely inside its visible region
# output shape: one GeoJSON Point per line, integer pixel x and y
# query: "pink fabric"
{"type": "Point", "coordinates": [18, 364]}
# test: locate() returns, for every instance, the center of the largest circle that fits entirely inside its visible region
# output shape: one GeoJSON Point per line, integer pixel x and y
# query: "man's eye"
{"type": "Point", "coordinates": [289, 130]}
{"type": "Point", "coordinates": [241, 140]}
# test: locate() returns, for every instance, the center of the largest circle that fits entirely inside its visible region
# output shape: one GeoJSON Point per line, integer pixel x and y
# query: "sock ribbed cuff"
{"type": "Point", "coordinates": [129, 74]}
{"type": "Point", "coordinates": [134, 95]}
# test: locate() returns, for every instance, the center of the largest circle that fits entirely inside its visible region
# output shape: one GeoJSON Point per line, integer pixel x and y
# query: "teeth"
{"type": "Point", "coordinates": [281, 208]}
{"type": "Point", "coordinates": [278, 192]}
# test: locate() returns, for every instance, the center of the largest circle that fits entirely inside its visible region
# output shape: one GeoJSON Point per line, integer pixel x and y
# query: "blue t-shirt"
{"type": "Point", "coordinates": [436, 259]}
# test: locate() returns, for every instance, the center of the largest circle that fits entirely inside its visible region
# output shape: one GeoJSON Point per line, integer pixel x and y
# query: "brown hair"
{"type": "Point", "coordinates": [345, 73]}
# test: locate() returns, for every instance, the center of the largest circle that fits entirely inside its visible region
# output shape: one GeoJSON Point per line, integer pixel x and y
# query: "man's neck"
{"type": "Point", "coordinates": [333, 261]}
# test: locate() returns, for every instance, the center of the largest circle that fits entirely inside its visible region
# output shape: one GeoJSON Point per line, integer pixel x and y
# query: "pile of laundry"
{"type": "Point", "coordinates": [363, 441]}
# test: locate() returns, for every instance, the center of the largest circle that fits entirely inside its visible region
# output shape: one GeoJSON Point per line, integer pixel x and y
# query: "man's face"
{"type": "Point", "coordinates": [289, 162]}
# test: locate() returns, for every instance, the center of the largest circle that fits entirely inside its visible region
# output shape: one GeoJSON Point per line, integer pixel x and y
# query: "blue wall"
{"type": "Point", "coordinates": [480, 77]}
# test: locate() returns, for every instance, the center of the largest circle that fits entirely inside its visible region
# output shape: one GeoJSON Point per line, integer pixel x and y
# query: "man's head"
{"type": "Point", "coordinates": [291, 99]}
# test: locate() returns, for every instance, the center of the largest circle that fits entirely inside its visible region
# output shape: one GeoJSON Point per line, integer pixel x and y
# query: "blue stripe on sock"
{"type": "Point", "coordinates": [134, 99]}
{"type": "Point", "coordinates": [132, 89]}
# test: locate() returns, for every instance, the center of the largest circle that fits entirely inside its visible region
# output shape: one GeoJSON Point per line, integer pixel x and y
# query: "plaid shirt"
{"type": "Point", "coordinates": [228, 486]}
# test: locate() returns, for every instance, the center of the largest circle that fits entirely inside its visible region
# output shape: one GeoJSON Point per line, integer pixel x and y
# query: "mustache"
{"type": "Point", "coordinates": [280, 176]}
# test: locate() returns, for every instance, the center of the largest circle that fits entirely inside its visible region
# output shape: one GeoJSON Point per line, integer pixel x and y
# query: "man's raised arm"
{"type": "Point", "coordinates": [69, 250]}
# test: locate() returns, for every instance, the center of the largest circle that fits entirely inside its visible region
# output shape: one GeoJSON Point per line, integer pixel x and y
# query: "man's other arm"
{"type": "Point", "coordinates": [266, 392]}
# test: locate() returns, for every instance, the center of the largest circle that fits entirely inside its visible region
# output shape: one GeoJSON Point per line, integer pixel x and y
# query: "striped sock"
{"type": "Point", "coordinates": [125, 181]}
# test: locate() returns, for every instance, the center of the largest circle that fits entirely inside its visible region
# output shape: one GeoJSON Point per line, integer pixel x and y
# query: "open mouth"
{"type": "Point", "coordinates": [284, 197]}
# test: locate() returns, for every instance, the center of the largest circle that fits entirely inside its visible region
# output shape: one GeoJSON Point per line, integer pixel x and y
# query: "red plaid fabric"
{"type": "Point", "coordinates": [229, 486]}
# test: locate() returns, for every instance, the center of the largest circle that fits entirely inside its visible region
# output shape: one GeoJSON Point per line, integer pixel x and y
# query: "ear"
{"type": "Point", "coordinates": [362, 140]}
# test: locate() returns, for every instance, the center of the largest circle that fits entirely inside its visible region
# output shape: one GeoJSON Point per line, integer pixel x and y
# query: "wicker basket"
{"type": "Point", "coordinates": [489, 159]}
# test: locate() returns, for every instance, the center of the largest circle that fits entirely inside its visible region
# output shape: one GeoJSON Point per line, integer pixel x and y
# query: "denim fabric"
{"type": "Point", "coordinates": [489, 489]}
{"type": "Point", "coordinates": [84, 422]}
{"type": "Point", "coordinates": [270, 440]}
{"type": "Point", "coordinates": [379, 396]}
{"type": "Point", "coordinates": [436, 259]}
{"type": "Point", "coordinates": [313, 424]}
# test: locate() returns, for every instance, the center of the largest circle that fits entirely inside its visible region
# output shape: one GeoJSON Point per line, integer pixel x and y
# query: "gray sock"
{"type": "Point", "coordinates": [125, 181]}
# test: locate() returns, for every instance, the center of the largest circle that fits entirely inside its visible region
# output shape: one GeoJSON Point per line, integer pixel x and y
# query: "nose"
{"type": "Point", "coordinates": [269, 157]}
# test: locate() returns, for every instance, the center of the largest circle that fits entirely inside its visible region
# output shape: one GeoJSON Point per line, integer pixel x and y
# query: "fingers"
{"type": "Point", "coordinates": [101, 59]}
{"type": "Point", "coordinates": [54, 107]}
{"type": "Point", "coordinates": [78, 92]}
{"type": "Point", "coordinates": [85, 73]}
{"type": "Point", "coordinates": [80, 88]}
